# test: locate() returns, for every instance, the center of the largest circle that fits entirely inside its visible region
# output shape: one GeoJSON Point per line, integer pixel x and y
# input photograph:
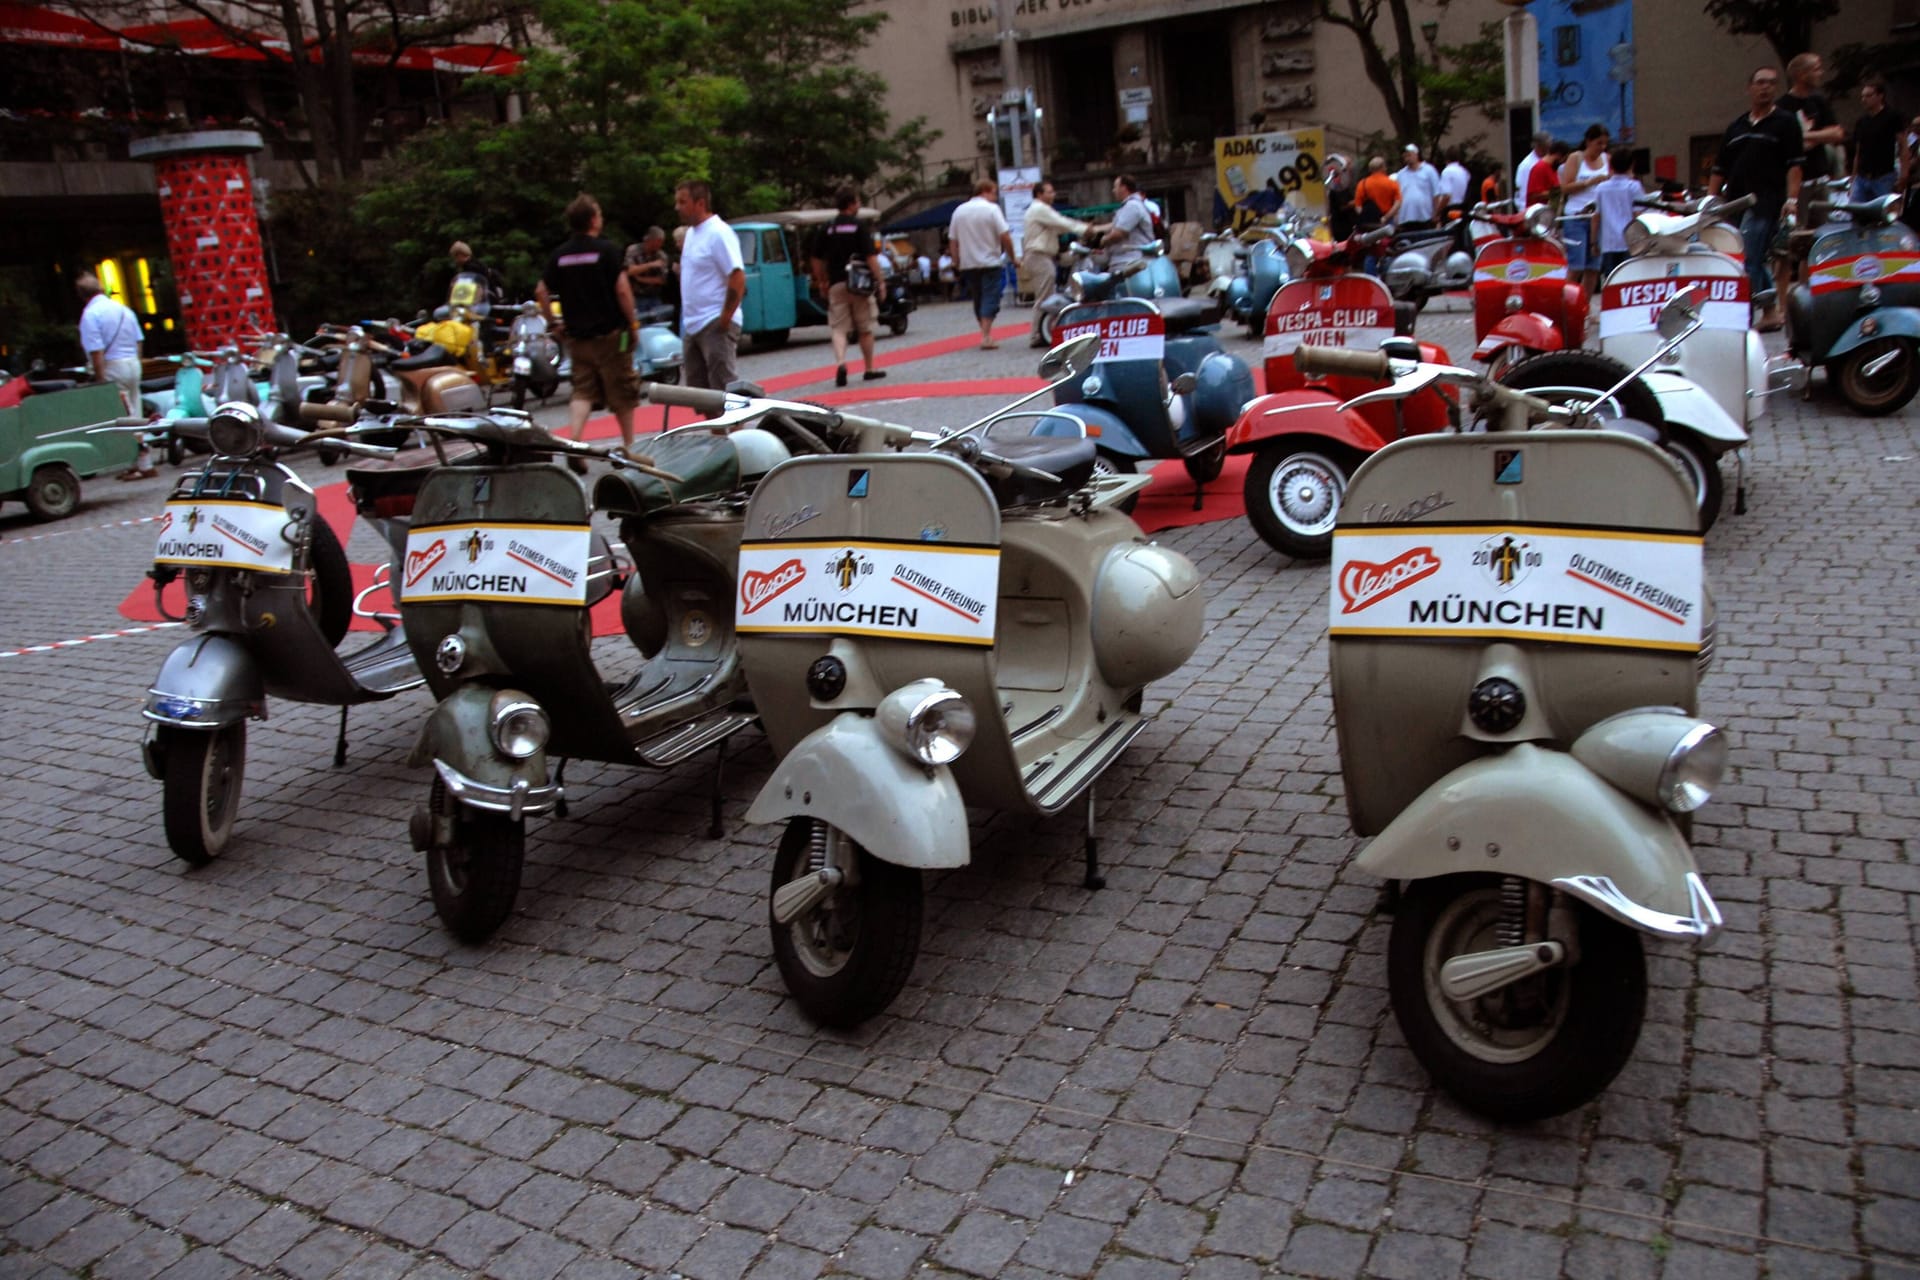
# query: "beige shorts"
{"type": "Point", "coordinates": [603, 373]}
{"type": "Point", "coordinates": [848, 312]}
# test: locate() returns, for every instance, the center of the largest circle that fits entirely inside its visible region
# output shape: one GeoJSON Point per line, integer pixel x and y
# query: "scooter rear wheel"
{"type": "Point", "coordinates": [1885, 391]}
{"type": "Point", "coordinates": [475, 878]}
{"type": "Point", "coordinates": [1535, 1048]}
{"type": "Point", "coordinates": [200, 788]}
{"type": "Point", "coordinates": [847, 958]}
{"type": "Point", "coordinates": [1294, 494]}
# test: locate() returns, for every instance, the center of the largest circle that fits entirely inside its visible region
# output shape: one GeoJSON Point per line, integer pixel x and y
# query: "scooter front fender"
{"type": "Point", "coordinates": [1527, 329]}
{"type": "Point", "coordinates": [1889, 322]}
{"type": "Point", "coordinates": [457, 739]}
{"type": "Point", "coordinates": [1543, 816]}
{"type": "Point", "coordinates": [1300, 413]}
{"type": "Point", "coordinates": [209, 681]}
{"type": "Point", "coordinates": [1684, 405]}
{"type": "Point", "coordinates": [845, 774]}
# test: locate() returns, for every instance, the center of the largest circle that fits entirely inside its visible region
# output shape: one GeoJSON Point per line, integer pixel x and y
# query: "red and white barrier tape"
{"type": "Point", "coordinates": [74, 644]}
{"type": "Point", "coordinates": [61, 533]}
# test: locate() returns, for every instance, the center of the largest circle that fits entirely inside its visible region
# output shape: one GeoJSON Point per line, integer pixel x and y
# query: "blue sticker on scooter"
{"type": "Point", "coordinates": [1507, 466]}
{"type": "Point", "coordinates": [857, 483]}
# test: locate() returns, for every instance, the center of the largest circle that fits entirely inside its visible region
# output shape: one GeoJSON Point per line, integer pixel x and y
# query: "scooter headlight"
{"type": "Point", "coordinates": [927, 722]}
{"type": "Point", "coordinates": [518, 726]}
{"type": "Point", "coordinates": [1538, 219]}
{"type": "Point", "coordinates": [235, 430]}
{"type": "Point", "coordinates": [1660, 756]}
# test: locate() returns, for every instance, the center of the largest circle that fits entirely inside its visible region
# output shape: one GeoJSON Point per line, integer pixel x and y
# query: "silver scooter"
{"type": "Point", "coordinates": [1517, 623]}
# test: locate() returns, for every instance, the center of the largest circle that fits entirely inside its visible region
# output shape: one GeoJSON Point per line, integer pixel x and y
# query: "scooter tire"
{"type": "Point", "coordinates": [201, 776]}
{"type": "Point", "coordinates": [1703, 474]}
{"type": "Point", "coordinates": [1886, 393]}
{"type": "Point", "coordinates": [1585, 1017]}
{"type": "Point", "coordinates": [1305, 533]}
{"type": "Point", "coordinates": [330, 589]}
{"type": "Point", "coordinates": [897, 326]}
{"type": "Point", "coordinates": [519, 397]}
{"type": "Point", "coordinates": [176, 451]}
{"type": "Point", "coordinates": [1205, 467]}
{"type": "Point", "coordinates": [475, 880]}
{"type": "Point", "coordinates": [53, 491]}
{"type": "Point", "coordinates": [846, 960]}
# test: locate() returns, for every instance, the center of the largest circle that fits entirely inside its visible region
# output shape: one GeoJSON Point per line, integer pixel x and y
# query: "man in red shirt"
{"type": "Point", "coordinates": [1544, 180]}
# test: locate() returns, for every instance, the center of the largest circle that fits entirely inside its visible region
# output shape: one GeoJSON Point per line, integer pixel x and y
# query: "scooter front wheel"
{"type": "Point", "coordinates": [1293, 496]}
{"type": "Point", "coordinates": [1878, 377]}
{"type": "Point", "coordinates": [846, 956]}
{"type": "Point", "coordinates": [200, 788]}
{"type": "Point", "coordinates": [475, 877]}
{"type": "Point", "coordinates": [1536, 1047]}
{"type": "Point", "coordinates": [1205, 467]}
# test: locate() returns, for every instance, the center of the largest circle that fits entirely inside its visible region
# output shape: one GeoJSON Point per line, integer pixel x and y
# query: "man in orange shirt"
{"type": "Point", "coordinates": [1377, 198]}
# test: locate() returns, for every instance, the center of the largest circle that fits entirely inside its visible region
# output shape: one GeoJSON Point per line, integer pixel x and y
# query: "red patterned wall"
{"type": "Point", "coordinates": [213, 239]}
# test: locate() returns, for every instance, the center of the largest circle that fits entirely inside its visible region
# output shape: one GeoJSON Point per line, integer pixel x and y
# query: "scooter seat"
{"type": "Point", "coordinates": [162, 383]}
{"type": "Point", "coordinates": [434, 355]}
{"type": "Point", "coordinates": [1184, 314]}
{"type": "Point", "coordinates": [386, 487]}
{"type": "Point", "coordinates": [706, 464]}
{"type": "Point", "coordinates": [1070, 458]}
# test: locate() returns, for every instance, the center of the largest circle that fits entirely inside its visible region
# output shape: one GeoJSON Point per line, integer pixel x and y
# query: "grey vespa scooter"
{"type": "Point", "coordinates": [928, 622]}
{"type": "Point", "coordinates": [1517, 623]}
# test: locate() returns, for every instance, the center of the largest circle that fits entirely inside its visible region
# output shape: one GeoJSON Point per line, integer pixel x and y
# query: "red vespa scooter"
{"type": "Point", "coordinates": [1523, 303]}
{"type": "Point", "coordinates": [1305, 445]}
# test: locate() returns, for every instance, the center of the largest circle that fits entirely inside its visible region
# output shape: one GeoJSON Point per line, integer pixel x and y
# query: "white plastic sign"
{"type": "Point", "coordinates": [501, 563]}
{"type": "Point", "coordinates": [225, 534]}
{"type": "Point", "coordinates": [1134, 336]}
{"type": "Point", "coordinates": [1627, 588]}
{"type": "Point", "coordinates": [1634, 307]}
{"type": "Point", "coordinates": [1364, 328]}
{"type": "Point", "coordinates": [896, 590]}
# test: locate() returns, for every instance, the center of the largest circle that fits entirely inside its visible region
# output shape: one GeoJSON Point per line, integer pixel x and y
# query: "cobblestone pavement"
{"type": "Point", "coordinates": [280, 1064]}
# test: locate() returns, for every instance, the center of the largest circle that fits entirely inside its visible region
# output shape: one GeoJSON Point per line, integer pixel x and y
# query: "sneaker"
{"type": "Point", "coordinates": [840, 376]}
{"type": "Point", "coordinates": [871, 374]}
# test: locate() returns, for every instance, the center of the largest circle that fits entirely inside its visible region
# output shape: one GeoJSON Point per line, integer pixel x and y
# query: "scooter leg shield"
{"type": "Point", "coordinates": [207, 682]}
{"type": "Point", "coordinates": [1888, 322]}
{"type": "Point", "coordinates": [846, 775]}
{"type": "Point", "coordinates": [1543, 816]}
{"type": "Point", "coordinates": [458, 736]}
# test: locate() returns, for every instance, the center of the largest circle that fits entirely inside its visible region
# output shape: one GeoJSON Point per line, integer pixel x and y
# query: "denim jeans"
{"type": "Point", "coordinates": [1756, 235]}
{"type": "Point", "coordinates": [1865, 189]}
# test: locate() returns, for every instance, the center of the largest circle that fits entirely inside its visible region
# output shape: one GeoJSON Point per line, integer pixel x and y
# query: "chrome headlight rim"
{"type": "Point", "coordinates": [517, 725]}
{"type": "Point", "coordinates": [1664, 757]}
{"type": "Point", "coordinates": [235, 430]}
{"type": "Point", "coordinates": [1693, 770]}
{"type": "Point", "coordinates": [927, 722]}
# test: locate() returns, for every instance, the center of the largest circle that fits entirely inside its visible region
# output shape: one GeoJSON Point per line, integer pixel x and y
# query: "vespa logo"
{"type": "Point", "coordinates": [166, 522]}
{"type": "Point", "coordinates": [757, 589]}
{"type": "Point", "coordinates": [1363, 583]}
{"type": "Point", "coordinates": [418, 562]}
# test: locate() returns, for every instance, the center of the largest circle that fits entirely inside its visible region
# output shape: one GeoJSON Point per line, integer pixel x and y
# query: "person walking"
{"type": "Point", "coordinates": [587, 275]}
{"type": "Point", "coordinates": [1584, 171]}
{"type": "Point", "coordinates": [980, 243]}
{"type": "Point", "coordinates": [1040, 250]}
{"type": "Point", "coordinates": [110, 335]}
{"type": "Point", "coordinates": [713, 282]}
{"type": "Point", "coordinates": [1760, 155]}
{"type": "Point", "coordinates": [850, 312]}
{"type": "Point", "coordinates": [1419, 184]}
{"type": "Point", "coordinates": [1879, 156]}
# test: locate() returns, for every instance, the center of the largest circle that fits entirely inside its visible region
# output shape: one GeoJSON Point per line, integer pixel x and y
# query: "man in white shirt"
{"type": "Point", "coordinates": [980, 241]}
{"type": "Point", "coordinates": [1453, 187]}
{"type": "Point", "coordinates": [1542, 143]}
{"type": "Point", "coordinates": [713, 281]}
{"type": "Point", "coordinates": [1419, 191]}
{"type": "Point", "coordinates": [110, 335]}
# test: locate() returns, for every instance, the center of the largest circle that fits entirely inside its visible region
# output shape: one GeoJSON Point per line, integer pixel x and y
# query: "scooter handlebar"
{"type": "Point", "coordinates": [1330, 360]}
{"type": "Point", "coordinates": [688, 397]}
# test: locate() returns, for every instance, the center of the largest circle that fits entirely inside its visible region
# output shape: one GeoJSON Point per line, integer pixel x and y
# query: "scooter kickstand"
{"type": "Point", "coordinates": [560, 783]}
{"type": "Point", "coordinates": [715, 828]}
{"type": "Point", "coordinates": [1094, 879]}
{"type": "Point", "coordinates": [340, 742]}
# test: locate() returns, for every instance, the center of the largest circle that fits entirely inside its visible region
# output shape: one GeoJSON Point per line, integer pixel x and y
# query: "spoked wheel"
{"type": "Point", "coordinates": [1293, 496]}
{"type": "Point", "coordinates": [475, 877]}
{"type": "Point", "coordinates": [1878, 377]}
{"type": "Point", "coordinates": [845, 957]}
{"type": "Point", "coordinates": [1536, 1047]}
{"type": "Point", "coordinates": [1112, 464]}
{"type": "Point", "coordinates": [1205, 467]}
{"type": "Point", "coordinates": [200, 788]}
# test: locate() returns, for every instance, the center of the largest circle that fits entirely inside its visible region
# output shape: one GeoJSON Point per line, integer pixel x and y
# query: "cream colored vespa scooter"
{"type": "Point", "coordinates": [1516, 624]}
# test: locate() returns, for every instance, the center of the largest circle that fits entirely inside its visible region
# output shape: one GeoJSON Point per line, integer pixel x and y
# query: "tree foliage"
{"type": "Point", "coordinates": [1422, 94]}
{"type": "Point", "coordinates": [1787, 24]}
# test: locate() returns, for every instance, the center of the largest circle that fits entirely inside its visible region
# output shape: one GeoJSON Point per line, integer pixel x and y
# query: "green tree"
{"type": "Point", "coordinates": [1787, 24]}
{"type": "Point", "coordinates": [1463, 78]}
{"type": "Point", "coordinates": [1422, 94]}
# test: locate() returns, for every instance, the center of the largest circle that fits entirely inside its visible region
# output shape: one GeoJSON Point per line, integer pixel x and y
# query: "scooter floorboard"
{"type": "Point", "coordinates": [386, 666]}
{"type": "Point", "coordinates": [1064, 772]}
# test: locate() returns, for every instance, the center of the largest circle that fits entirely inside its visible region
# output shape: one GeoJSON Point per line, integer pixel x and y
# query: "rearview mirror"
{"type": "Point", "coordinates": [1071, 358]}
{"type": "Point", "coordinates": [1681, 311]}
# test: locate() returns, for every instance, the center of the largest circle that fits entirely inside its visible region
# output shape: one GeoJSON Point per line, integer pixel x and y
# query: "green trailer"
{"type": "Point", "coordinates": [43, 460]}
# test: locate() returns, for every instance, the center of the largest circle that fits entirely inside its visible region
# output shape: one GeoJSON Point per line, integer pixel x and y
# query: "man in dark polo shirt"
{"type": "Point", "coordinates": [1879, 150]}
{"type": "Point", "coordinates": [848, 313]}
{"type": "Point", "coordinates": [1760, 155]}
{"type": "Point", "coordinates": [588, 275]}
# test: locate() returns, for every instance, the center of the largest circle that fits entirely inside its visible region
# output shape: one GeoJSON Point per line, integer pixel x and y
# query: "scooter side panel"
{"type": "Point", "coordinates": [1889, 322]}
{"type": "Point", "coordinates": [1109, 428]}
{"type": "Point", "coordinates": [1541, 815]}
{"type": "Point", "coordinates": [212, 679]}
{"type": "Point", "coordinates": [844, 774]}
{"type": "Point", "coordinates": [1309, 412]}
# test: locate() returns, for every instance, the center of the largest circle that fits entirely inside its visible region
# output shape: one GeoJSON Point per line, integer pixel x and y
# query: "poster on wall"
{"type": "Point", "coordinates": [1255, 174]}
{"type": "Point", "coordinates": [1016, 193]}
{"type": "Point", "coordinates": [1586, 67]}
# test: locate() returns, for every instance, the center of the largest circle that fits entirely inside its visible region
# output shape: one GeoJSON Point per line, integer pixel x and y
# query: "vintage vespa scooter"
{"type": "Point", "coordinates": [1858, 312]}
{"type": "Point", "coordinates": [931, 622]}
{"type": "Point", "coordinates": [268, 596]}
{"type": "Point", "coordinates": [1523, 303]}
{"type": "Point", "coordinates": [1306, 442]}
{"type": "Point", "coordinates": [1514, 688]}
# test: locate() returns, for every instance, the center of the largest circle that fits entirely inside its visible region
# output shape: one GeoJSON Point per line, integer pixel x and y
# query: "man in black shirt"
{"type": "Point", "coordinates": [1879, 152]}
{"type": "Point", "coordinates": [589, 276]}
{"type": "Point", "coordinates": [1760, 155]}
{"type": "Point", "coordinates": [834, 245]}
{"type": "Point", "coordinates": [1819, 128]}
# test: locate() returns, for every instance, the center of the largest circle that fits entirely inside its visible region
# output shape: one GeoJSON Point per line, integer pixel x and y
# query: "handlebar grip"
{"type": "Point", "coordinates": [688, 397]}
{"type": "Point", "coordinates": [1358, 364]}
{"type": "Point", "coordinates": [327, 413]}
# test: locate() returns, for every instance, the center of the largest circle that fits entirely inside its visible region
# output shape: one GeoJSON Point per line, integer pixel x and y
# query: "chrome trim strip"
{"type": "Point", "coordinates": [1603, 894]}
{"type": "Point", "coordinates": [516, 801]}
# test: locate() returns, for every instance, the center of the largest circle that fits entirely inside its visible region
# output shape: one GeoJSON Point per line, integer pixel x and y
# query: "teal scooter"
{"type": "Point", "coordinates": [1857, 314]}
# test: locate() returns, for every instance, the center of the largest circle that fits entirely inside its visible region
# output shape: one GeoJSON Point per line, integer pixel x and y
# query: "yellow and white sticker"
{"type": "Point", "coordinates": [896, 590]}
{"type": "Point", "coordinates": [1628, 588]}
{"type": "Point", "coordinates": [504, 563]}
{"type": "Point", "coordinates": [225, 534]}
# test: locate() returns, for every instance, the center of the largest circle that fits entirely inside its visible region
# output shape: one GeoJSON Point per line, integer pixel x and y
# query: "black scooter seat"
{"type": "Point", "coordinates": [1185, 314]}
{"type": "Point", "coordinates": [386, 487]}
{"type": "Point", "coordinates": [706, 464]}
{"type": "Point", "coordinates": [1070, 458]}
{"type": "Point", "coordinates": [434, 356]}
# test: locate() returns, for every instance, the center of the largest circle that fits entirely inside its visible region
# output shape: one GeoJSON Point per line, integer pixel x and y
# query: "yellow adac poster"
{"type": "Point", "coordinates": [1256, 173]}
